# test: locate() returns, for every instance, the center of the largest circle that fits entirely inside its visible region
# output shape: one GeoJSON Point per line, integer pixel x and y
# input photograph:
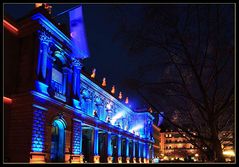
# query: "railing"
{"type": "Point", "coordinates": [58, 89]}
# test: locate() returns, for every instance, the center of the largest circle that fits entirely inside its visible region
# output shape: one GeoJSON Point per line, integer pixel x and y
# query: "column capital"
{"type": "Point", "coordinates": [76, 63]}
{"type": "Point", "coordinates": [44, 36]}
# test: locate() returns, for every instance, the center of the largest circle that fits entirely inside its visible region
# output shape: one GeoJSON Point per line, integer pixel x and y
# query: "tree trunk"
{"type": "Point", "coordinates": [218, 156]}
{"type": "Point", "coordinates": [216, 145]}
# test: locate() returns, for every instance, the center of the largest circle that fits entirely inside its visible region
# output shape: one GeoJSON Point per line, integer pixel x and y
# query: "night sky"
{"type": "Point", "coordinates": [108, 57]}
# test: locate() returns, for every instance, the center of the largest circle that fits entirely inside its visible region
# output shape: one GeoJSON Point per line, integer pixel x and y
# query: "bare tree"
{"type": "Point", "coordinates": [187, 54]}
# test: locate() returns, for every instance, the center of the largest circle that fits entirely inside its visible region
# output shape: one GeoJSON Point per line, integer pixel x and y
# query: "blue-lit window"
{"type": "Point", "coordinates": [56, 81]}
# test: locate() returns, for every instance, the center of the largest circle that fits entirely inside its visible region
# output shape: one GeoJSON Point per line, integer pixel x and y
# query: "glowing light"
{"type": "Point", "coordinates": [78, 34]}
{"type": "Point", "coordinates": [76, 104]}
{"type": "Point", "coordinates": [7, 100]}
{"type": "Point", "coordinates": [127, 100]}
{"type": "Point", "coordinates": [93, 73]}
{"type": "Point", "coordinates": [37, 5]}
{"type": "Point", "coordinates": [38, 131]}
{"type": "Point", "coordinates": [77, 138]}
{"type": "Point", "coordinates": [46, 6]}
{"type": "Point", "coordinates": [150, 110]}
{"type": "Point", "coordinates": [229, 153]}
{"type": "Point", "coordinates": [181, 159]}
{"type": "Point", "coordinates": [108, 106]}
{"type": "Point", "coordinates": [104, 82]}
{"type": "Point", "coordinates": [41, 87]}
{"type": "Point", "coordinates": [120, 95]}
{"type": "Point", "coordinates": [137, 127]}
{"type": "Point", "coordinates": [196, 155]}
{"type": "Point", "coordinates": [117, 116]}
{"type": "Point", "coordinates": [113, 89]}
{"type": "Point", "coordinates": [10, 27]}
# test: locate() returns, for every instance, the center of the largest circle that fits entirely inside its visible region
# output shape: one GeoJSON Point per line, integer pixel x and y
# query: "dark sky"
{"type": "Point", "coordinates": [109, 58]}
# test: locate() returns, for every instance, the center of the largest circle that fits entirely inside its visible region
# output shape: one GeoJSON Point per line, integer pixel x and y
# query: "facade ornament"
{"type": "Point", "coordinates": [113, 89]}
{"type": "Point", "coordinates": [120, 95]}
{"type": "Point", "coordinates": [127, 100]}
{"type": "Point", "coordinates": [76, 63]}
{"type": "Point", "coordinates": [104, 82]}
{"type": "Point", "coordinates": [44, 36]}
{"type": "Point", "coordinates": [93, 73]}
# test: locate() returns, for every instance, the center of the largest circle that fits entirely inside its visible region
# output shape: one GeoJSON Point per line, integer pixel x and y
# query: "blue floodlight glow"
{"type": "Point", "coordinates": [161, 119]}
{"type": "Point", "coordinates": [76, 104]}
{"type": "Point", "coordinates": [116, 117]}
{"type": "Point", "coordinates": [38, 131]}
{"type": "Point", "coordinates": [59, 123]}
{"type": "Point", "coordinates": [127, 147]}
{"type": "Point", "coordinates": [96, 141]}
{"type": "Point", "coordinates": [77, 32]}
{"type": "Point", "coordinates": [77, 138]}
{"type": "Point", "coordinates": [109, 145]}
{"type": "Point", "coordinates": [108, 106]}
{"type": "Point", "coordinates": [135, 128]}
{"type": "Point", "coordinates": [41, 87]}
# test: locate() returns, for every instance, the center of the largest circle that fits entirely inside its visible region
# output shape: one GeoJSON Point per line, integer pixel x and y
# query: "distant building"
{"type": "Point", "coordinates": [156, 145]}
{"type": "Point", "coordinates": [227, 141]}
{"type": "Point", "coordinates": [174, 146]}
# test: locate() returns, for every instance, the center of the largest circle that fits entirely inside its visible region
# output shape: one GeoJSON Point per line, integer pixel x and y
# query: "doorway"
{"type": "Point", "coordinates": [58, 141]}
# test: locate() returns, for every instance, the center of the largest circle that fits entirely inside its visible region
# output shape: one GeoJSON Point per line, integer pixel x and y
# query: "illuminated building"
{"type": "Point", "coordinates": [58, 113]}
{"type": "Point", "coordinates": [174, 146]}
{"type": "Point", "coordinates": [226, 138]}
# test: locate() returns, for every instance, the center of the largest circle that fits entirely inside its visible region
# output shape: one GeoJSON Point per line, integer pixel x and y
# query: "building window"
{"type": "Point", "coordinates": [56, 81]}
{"type": "Point", "coordinates": [170, 135]}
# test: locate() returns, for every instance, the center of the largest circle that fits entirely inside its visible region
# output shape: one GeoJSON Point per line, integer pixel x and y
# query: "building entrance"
{"type": "Point", "coordinates": [58, 141]}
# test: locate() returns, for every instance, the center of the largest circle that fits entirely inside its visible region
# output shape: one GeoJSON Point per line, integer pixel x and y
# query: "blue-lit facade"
{"type": "Point", "coordinates": [74, 120]}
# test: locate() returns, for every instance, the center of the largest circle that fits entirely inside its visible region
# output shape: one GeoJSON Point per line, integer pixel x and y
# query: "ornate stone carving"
{"type": "Point", "coordinates": [76, 63]}
{"type": "Point", "coordinates": [44, 36]}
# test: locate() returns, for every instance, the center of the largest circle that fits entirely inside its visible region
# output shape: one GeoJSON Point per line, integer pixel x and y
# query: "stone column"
{"type": "Point", "coordinates": [88, 106]}
{"type": "Point", "coordinates": [146, 153]}
{"type": "Point", "coordinates": [43, 55]}
{"type": "Point", "coordinates": [127, 150]}
{"type": "Point", "coordinates": [77, 156]}
{"type": "Point", "coordinates": [50, 61]}
{"type": "Point", "coordinates": [37, 154]}
{"type": "Point", "coordinates": [119, 149]}
{"type": "Point", "coordinates": [152, 149]}
{"type": "Point", "coordinates": [65, 78]}
{"type": "Point", "coordinates": [109, 150]}
{"type": "Point", "coordinates": [133, 146]}
{"type": "Point", "coordinates": [100, 112]}
{"type": "Point", "coordinates": [140, 160]}
{"type": "Point", "coordinates": [95, 141]}
{"type": "Point", "coordinates": [68, 86]}
{"type": "Point", "coordinates": [76, 78]}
